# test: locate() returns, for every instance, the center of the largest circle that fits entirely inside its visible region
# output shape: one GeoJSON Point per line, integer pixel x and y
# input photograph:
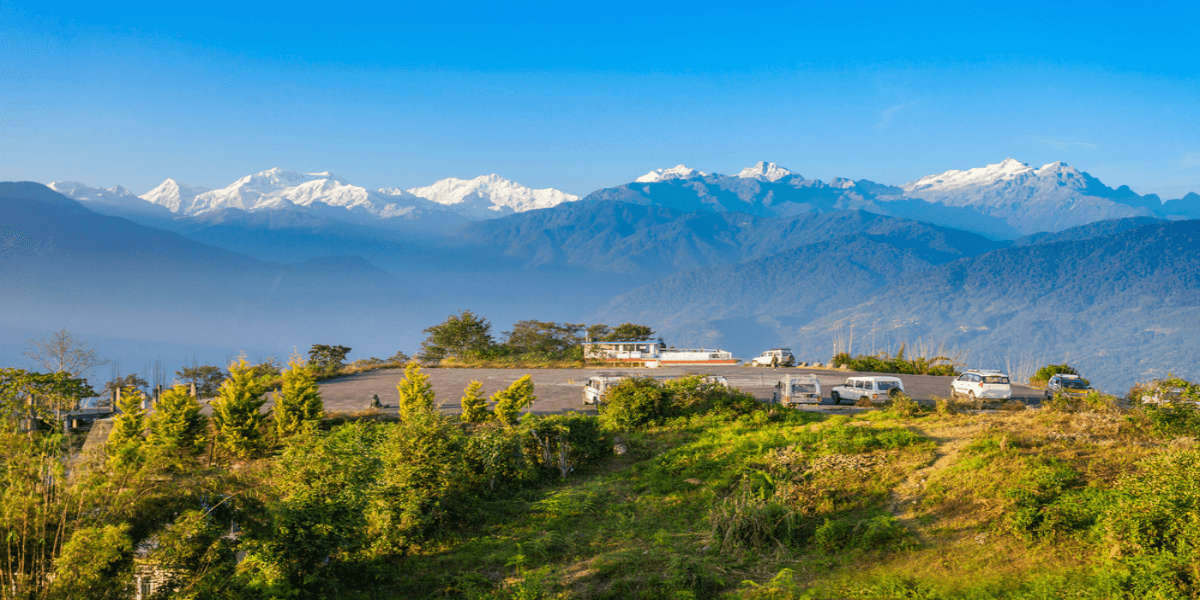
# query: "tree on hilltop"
{"type": "Point", "coordinates": [462, 335]}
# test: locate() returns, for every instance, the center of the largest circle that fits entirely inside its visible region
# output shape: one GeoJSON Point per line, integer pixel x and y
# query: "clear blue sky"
{"type": "Point", "coordinates": [584, 95]}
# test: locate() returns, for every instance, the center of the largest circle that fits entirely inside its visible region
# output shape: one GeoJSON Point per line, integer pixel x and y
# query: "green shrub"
{"type": "Point", "coordinates": [747, 519]}
{"type": "Point", "coordinates": [633, 403]}
{"type": "Point", "coordinates": [877, 532]}
{"type": "Point", "coordinates": [1045, 373]}
{"type": "Point", "coordinates": [1042, 483]}
{"type": "Point", "coordinates": [903, 405]}
{"type": "Point", "coordinates": [898, 363]}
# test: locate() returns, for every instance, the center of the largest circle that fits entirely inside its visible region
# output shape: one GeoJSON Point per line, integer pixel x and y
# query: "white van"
{"type": "Point", "coordinates": [984, 385]}
{"type": "Point", "coordinates": [597, 387]}
{"type": "Point", "coordinates": [873, 389]}
{"type": "Point", "coordinates": [791, 390]}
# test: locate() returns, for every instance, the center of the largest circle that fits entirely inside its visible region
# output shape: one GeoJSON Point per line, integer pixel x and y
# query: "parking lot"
{"type": "Point", "coordinates": [559, 390]}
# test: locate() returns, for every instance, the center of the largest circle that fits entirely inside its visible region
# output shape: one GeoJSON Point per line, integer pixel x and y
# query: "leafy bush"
{"type": "Point", "coordinates": [1045, 373]}
{"type": "Point", "coordinates": [747, 519]}
{"type": "Point", "coordinates": [898, 363]}
{"type": "Point", "coordinates": [633, 403]}
{"type": "Point", "coordinates": [903, 405]}
{"type": "Point", "coordinates": [1042, 483]}
{"type": "Point", "coordinates": [641, 401]}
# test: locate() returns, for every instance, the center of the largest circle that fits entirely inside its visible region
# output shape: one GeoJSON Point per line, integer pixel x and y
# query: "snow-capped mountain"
{"type": "Point", "coordinates": [172, 195]}
{"type": "Point", "coordinates": [276, 188]}
{"type": "Point", "coordinates": [486, 196]}
{"type": "Point", "coordinates": [680, 171]}
{"type": "Point", "coordinates": [767, 171]}
{"type": "Point", "coordinates": [93, 195]}
{"type": "Point", "coordinates": [1052, 197]}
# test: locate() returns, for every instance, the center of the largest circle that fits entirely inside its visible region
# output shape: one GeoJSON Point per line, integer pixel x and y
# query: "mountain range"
{"type": "Point", "coordinates": [1004, 265]}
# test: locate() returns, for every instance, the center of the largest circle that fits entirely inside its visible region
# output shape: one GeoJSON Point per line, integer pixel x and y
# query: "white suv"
{"type": "Point", "coordinates": [775, 357]}
{"type": "Point", "coordinates": [873, 389]}
{"type": "Point", "coordinates": [989, 385]}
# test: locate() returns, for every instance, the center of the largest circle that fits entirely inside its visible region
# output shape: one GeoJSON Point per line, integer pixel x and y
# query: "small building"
{"type": "Point", "coordinates": [653, 353]}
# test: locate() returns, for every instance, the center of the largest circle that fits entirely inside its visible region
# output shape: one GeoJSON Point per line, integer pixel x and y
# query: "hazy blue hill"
{"type": "Point", "coordinates": [1089, 231]}
{"type": "Point", "coordinates": [842, 258]}
{"type": "Point", "coordinates": [62, 265]}
{"type": "Point", "coordinates": [651, 240]}
{"type": "Point", "coordinates": [1124, 306]}
{"type": "Point", "coordinates": [1187, 207]}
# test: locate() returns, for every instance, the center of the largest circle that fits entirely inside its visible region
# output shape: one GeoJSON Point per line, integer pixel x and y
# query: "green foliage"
{"type": "Point", "coordinates": [747, 519]}
{"type": "Point", "coordinates": [1153, 524]}
{"type": "Point", "coordinates": [513, 399]}
{"type": "Point", "coordinates": [197, 554]}
{"type": "Point", "coordinates": [177, 429]}
{"type": "Point", "coordinates": [322, 490]}
{"type": "Point", "coordinates": [637, 401]}
{"type": "Point", "coordinates": [90, 561]}
{"type": "Point", "coordinates": [131, 380]}
{"type": "Point", "coordinates": [415, 392]}
{"type": "Point", "coordinates": [629, 331]}
{"type": "Point", "coordinates": [633, 403]}
{"type": "Point", "coordinates": [236, 413]}
{"type": "Point", "coordinates": [422, 483]}
{"type": "Point", "coordinates": [464, 335]}
{"type": "Point", "coordinates": [39, 395]}
{"type": "Point", "coordinates": [545, 338]}
{"type": "Point", "coordinates": [1042, 375]}
{"type": "Point", "coordinates": [206, 378]}
{"type": "Point", "coordinates": [899, 363]}
{"type": "Point", "coordinates": [879, 532]}
{"type": "Point", "coordinates": [903, 405]}
{"type": "Point", "coordinates": [496, 460]}
{"type": "Point", "coordinates": [298, 403]}
{"type": "Point", "coordinates": [1092, 401]}
{"type": "Point", "coordinates": [1032, 509]}
{"type": "Point", "coordinates": [326, 359]}
{"type": "Point", "coordinates": [1170, 420]}
{"type": "Point", "coordinates": [474, 405]}
{"type": "Point", "coordinates": [129, 426]}
{"type": "Point", "coordinates": [561, 443]}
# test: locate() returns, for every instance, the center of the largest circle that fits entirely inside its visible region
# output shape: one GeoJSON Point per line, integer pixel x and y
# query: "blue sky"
{"type": "Point", "coordinates": [584, 95]}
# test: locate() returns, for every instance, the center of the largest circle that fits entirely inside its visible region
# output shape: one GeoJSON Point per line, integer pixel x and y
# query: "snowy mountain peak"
{"type": "Point", "coordinates": [487, 196]}
{"type": "Point", "coordinates": [86, 193]}
{"type": "Point", "coordinates": [172, 195]}
{"type": "Point", "coordinates": [767, 171]}
{"type": "Point", "coordinates": [1006, 169]}
{"type": "Point", "coordinates": [679, 171]}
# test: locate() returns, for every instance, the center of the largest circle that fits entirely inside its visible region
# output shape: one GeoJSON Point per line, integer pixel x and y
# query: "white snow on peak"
{"type": "Point", "coordinates": [487, 196]}
{"type": "Point", "coordinates": [173, 195]}
{"type": "Point", "coordinates": [277, 188]}
{"type": "Point", "coordinates": [85, 193]}
{"type": "Point", "coordinates": [679, 171]}
{"type": "Point", "coordinates": [767, 171]}
{"type": "Point", "coordinates": [1006, 169]}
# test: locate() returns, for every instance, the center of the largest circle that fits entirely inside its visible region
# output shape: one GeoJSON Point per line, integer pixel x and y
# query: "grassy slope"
{"type": "Point", "coordinates": [980, 505]}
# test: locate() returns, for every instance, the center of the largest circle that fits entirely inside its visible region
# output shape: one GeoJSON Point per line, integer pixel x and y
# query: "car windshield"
{"type": "Point", "coordinates": [888, 385]}
{"type": "Point", "coordinates": [995, 379]}
{"type": "Point", "coordinates": [803, 388]}
{"type": "Point", "coordinates": [1075, 384]}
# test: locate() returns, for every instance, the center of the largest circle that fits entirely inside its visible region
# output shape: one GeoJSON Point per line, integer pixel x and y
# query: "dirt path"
{"type": "Point", "coordinates": [950, 439]}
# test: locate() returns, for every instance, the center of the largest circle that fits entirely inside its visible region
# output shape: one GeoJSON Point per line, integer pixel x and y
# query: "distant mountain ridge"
{"type": "Point", "coordinates": [1004, 200]}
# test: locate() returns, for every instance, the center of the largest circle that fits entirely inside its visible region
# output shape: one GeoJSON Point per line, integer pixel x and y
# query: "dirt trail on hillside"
{"type": "Point", "coordinates": [950, 439]}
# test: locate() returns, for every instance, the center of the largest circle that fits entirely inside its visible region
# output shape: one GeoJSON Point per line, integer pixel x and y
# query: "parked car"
{"type": "Point", "coordinates": [875, 389]}
{"type": "Point", "coordinates": [775, 357]}
{"type": "Point", "coordinates": [990, 385]}
{"type": "Point", "coordinates": [1067, 384]}
{"type": "Point", "coordinates": [597, 387]}
{"type": "Point", "coordinates": [791, 390]}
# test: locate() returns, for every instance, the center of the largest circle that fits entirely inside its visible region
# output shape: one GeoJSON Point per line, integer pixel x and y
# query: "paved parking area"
{"type": "Point", "coordinates": [559, 390]}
